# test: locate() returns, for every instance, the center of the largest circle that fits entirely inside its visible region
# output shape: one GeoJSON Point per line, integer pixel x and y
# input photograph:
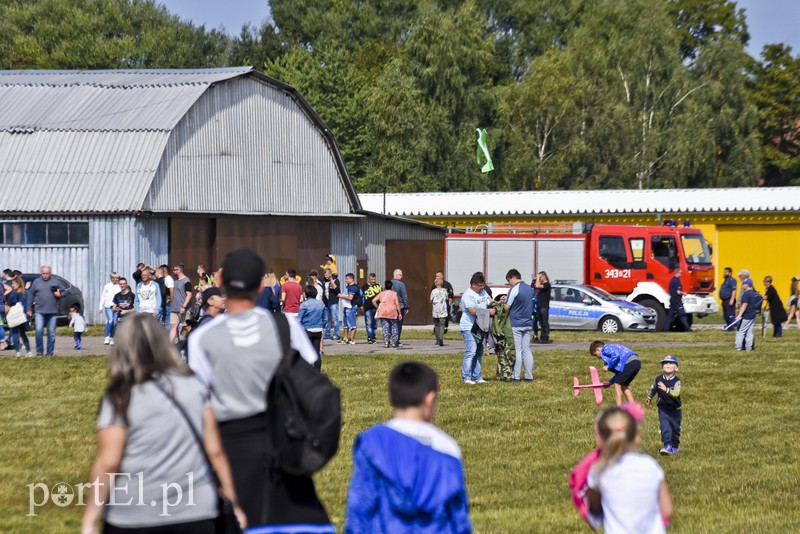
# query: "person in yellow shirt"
{"type": "Point", "coordinates": [330, 263]}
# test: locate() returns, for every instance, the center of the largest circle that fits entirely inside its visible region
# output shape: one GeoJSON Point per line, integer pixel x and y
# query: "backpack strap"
{"type": "Point", "coordinates": [284, 335]}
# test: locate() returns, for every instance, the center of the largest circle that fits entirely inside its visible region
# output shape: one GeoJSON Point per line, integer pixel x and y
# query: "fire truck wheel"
{"type": "Point", "coordinates": [610, 325]}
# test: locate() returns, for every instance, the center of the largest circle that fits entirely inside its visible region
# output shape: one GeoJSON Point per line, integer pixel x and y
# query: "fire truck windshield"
{"type": "Point", "coordinates": [695, 249]}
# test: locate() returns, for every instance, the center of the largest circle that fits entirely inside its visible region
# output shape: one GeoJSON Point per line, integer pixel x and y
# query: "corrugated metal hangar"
{"type": "Point", "coordinates": [748, 228]}
{"type": "Point", "coordinates": [103, 169]}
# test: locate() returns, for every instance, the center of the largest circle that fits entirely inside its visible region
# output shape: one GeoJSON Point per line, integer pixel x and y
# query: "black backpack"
{"type": "Point", "coordinates": [305, 411]}
{"type": "Point", "coordinates": [358, 298]}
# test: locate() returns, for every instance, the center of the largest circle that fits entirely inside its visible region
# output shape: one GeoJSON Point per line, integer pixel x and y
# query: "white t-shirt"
{"type": "Point", "coordinates": [629, 494]}
{"type": "Point", "coordinates": [427, 434]}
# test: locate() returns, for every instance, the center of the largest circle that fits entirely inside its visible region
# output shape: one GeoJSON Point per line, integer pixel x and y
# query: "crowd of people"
{"type": "Point", "coordinates": [202, 428]}
{"type": "Point", "coordinates": [190, 374]}
{"type": "Point", "coordinates": [741, 310]}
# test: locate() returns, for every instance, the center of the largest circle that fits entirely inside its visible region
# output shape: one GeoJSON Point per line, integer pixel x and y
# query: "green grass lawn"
{"type": "Point", "coordinates": [738, 470]}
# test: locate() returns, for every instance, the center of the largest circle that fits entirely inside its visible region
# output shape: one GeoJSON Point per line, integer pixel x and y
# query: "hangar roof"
{"type": "Point", "coordinates": [125, 140]}
{"type": "Point", "coordinates": [560, 203]}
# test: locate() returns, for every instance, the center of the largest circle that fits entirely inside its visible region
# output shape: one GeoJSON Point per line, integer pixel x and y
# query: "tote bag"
{"type": "Point", "coordinates": [16, 315]}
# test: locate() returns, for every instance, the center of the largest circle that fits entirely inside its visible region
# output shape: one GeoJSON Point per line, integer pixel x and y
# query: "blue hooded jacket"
{"type": "Point", "coordinates": [401, 485]}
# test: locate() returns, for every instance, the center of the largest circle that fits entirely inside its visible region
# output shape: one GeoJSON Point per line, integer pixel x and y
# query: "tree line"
{"type": "Point", "coordinates": [575, 94]}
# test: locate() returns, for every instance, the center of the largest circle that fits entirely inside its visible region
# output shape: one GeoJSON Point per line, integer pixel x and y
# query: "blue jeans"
{"type": "Point", "coordinates": [473, 354]}
{"type": "Point", "coordinates": [163, 317]}
{"type": "Point", "coordinates": [370, 323]}
{"type": "Point", "coordinates": [777, 330]}
{"type": "Point", "coordinates": [670, 421]}
{"type": "Point", "coordinates": [349, 317]}
{"type": "Point", "coordinates": [45, 320]}
{"type": "Point", "coordinates": [111, 321]}
{"type": "Point", "coordinates": [331, 315]}
{"type": "Point", "coordinates": [18, 333]}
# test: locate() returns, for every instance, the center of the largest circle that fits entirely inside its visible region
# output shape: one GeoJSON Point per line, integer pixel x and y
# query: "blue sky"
{"type": "Point", "coordinates": [769, 21]}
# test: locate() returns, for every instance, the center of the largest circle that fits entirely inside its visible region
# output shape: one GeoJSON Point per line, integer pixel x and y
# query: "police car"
{"type": "Point", "coordinates": [580, 307]}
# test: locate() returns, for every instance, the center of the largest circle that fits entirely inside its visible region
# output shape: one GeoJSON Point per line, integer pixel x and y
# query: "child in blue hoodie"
{"type": "Point", "coordinates": [622, 362]}
{"type": "Point", "coordinates": [407, 473]}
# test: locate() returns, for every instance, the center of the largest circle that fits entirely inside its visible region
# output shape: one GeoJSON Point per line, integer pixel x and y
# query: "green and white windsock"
{"type": "Point", "coordinates": [483, 147]}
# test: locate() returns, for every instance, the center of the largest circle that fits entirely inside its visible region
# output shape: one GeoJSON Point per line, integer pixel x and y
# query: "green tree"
{"type": "Point", "coordinates": [429, 101]}
{"type": "Point", "coordinates": [101, 34]}
{"type": "Point", "coordinates": [701, 22]}
{"type": "Point", "coordinates": [541, 118]}
{"type": "Point", "coordinates": [776, 92]}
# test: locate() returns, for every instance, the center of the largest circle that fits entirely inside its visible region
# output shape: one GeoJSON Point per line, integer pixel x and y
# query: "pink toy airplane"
{"type": "Point", "coordinates": [596, 385]}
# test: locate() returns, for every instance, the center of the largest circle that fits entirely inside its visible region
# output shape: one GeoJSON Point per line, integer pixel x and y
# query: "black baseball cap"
{"type": "Point", "coordinates": [207, 294]}
{"type": "Point", "coordinates": [242, 270]}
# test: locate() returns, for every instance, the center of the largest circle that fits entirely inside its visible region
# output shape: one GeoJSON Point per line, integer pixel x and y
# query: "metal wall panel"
{"type": "Point", "coordinates": [115, 244]}
{"type": "Point", "coordinates": [373, 232]}
{"type": "Point", "coordinates": [343, 246]}
{"type": "Point", "coordinates": [247, 147]}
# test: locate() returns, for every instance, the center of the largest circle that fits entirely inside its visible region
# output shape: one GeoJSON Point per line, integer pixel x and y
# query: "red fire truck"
{"type": "Point", "coordinates": [634, 262]}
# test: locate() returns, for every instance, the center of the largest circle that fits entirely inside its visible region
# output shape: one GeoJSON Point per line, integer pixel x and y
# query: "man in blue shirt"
{"type": "Point", "coordinates": [676, 303]}
{"type": "Point", "coordinates": [751, 303]}
{"type": "Point", "coordinates": [727, 294]}
{"type": "Point", "coordinates": [520, 303]}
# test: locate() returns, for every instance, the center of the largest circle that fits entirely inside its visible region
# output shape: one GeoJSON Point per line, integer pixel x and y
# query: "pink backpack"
{"type": "Point", "coordinates": [578, 484]}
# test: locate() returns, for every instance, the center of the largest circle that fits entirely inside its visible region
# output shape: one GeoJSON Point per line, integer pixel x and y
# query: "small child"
{"type": "Point", "coordinates": [78, 324]}
{"type": "Point", "coordinates": [626, 486]}
{"type": "Point", "coordinates": [668, 388]}
{"type": "Point", "coordinates": [407, 473]}
{"type": "Point", "coordinates": [579, 476]}
{"type": "Point", "coordinates": [621, 361]}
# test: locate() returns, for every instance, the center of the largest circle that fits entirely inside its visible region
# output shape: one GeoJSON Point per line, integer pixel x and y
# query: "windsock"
{"type": "Point", "coordinates": [483, 147]}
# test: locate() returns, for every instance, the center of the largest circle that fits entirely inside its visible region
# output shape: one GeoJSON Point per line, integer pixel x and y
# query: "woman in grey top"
{"type": "Point", "coordinates": [149, 474]}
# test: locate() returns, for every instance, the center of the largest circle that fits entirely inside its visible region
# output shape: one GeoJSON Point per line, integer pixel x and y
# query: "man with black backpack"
{"type": "Point", "coordinates": [241, 355]}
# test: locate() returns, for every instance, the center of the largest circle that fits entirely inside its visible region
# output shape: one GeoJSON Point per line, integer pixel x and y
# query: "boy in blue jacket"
{"type": "Point", "coordinates": [621, 361]}
{"type": "Point", "coordinates": [407, 473]}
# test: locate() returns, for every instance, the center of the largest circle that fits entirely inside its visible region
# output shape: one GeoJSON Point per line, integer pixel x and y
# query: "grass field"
{"type": "Point", "coordinates": [738, 470]}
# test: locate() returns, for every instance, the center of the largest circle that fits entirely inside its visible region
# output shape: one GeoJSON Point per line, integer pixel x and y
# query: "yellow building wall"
{"type": "Point", "coordinates": [772, 250]}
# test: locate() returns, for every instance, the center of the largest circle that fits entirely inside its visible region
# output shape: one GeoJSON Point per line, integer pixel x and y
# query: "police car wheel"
{"type": "Point", "coordinates": [610, 325]}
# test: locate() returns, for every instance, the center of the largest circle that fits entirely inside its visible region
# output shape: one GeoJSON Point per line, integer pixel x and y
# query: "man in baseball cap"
{"type": "Point", "coordinates": [748, 310]}
{"type": "Point", "coordinates": [236, 355]}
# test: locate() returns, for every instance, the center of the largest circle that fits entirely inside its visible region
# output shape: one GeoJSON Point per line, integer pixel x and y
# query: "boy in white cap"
{"type": "Point", "coordinates": [668, 388]}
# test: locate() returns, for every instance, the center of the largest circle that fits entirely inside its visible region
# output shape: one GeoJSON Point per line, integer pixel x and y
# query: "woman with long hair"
{"type": "Point", "coordinates": [17, 333]}
{"type": "Point", "coordinates": [268, 296]}
{"type": "Point", "coordinates": [151, 420]}
{"type": "Point", "coordinates": [626, 486]}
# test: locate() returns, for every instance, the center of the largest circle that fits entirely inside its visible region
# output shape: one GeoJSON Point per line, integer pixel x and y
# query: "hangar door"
{"type": "Point", "coordinates": [763, 249]}
{"type": "Point", "coordinates": [419, 261]}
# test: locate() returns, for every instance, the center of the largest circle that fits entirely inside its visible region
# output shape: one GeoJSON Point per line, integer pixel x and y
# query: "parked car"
{"type": "Point", "coordinates": [581, 307]}
{"type": "Point", "coordinates": [70, 296]}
